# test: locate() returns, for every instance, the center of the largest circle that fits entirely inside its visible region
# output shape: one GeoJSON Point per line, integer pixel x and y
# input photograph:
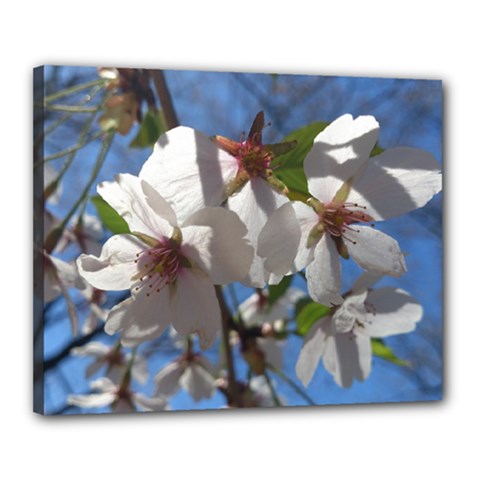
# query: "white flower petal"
{"type": "Point", "coordinates": [180, 342]}
{"type": "Point", "coordinates": [168, 378]}
{"type": "Point", "coordinates": [95, 400]}
{"type": "Point", "coordinates": [314, 345]}
{"type": "Point", "coordinates": [129, 196]}
{"type": "Point", "coordinates": [92, 226]}
{"type": "Point", "coordinates": [91, 322]}
{"type": "Point", "coordinates": [338, 153]}
{"type": "Point", "coordinates": [307, 219]}
{"type": "Point", "coordinates": [139, 368]}
{"type": "Point", "coordinates": [149, 404]}
{"type": "Point", "coordinates": [58, 276]}
{"type": "Point", "coordinates": [140, 317]}
{"type": "Point", "coordinates": [93, 348]}
{"type": "Point", "coordinates": [273, 279]}
{"type": "Point", "coordinates": [189, 170]}
{"type": "Point", "coordinates": [393, 311]}
{"type": "Point", "coordinates": [281, 308]}
{"type": "Point", "coordinates": [397, 181]}
{"type": "Point", "coordinates": [254, 204]}
{"type": "Point", "coordinates": [323, 273]}
{"type": "Point", "coordinates": [375, 251]}
{"type": "Point", "coordinates": [195, 306]}
{"type": "Point", "coordinates": [258, 275]}
{"type": "Point", "coordinates": [214, 239]}
{"type": "Point", "coordinates": [251, 311]}
{"type": "Point", "coordinates": [365, 281]}
{"type": "Point", "coordinates": [348, 357]}
{"type": "Point", "coordinates": [279, 239]}
{"type": "Point", "coordinates": [255, 312]}
{"type": "Point", "coordinates": [103, 384]}
{"type": "Point", "coordinates": [158, 204]}
{"type": "Point", "coordinates": [352, 310]}
{"type": "Point", "coordinates": [205, 363]}
{"type": "Point", "coordinates": [198, 382]}
{"type": "Point", "coordinates": [273, 351]}
{"type": "Point", "coordinates": [115, 267]}
{"type": "Point", "coordinates": [66, 272]}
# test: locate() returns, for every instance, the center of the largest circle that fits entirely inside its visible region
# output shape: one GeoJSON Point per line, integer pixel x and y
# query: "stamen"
{"type": "Point", "coordinates": [337, 219]}
{"type": "Point", "coordinates": [160, 266]}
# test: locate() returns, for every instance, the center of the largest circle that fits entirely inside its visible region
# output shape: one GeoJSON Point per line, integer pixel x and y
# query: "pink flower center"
{"type": "Point", "coordinates": [253, 158]}
{"type": "Point", "coordinates": [336, 219]}
{"type": "Point", "coordinates": [158, 266]}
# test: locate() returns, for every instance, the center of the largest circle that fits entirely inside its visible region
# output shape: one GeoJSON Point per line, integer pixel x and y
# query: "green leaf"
{"type": "Point", "coordinates": [289, 167]}
{"type": "Point", "coordinates": [152, 126]}
{"type": "Point", "coordinates": [307, 313]}
{"type": "Point", "coordinates": [381, 350]}
{"type": "Point", "coordinates": [277, 291]}
{"type": "Point", "coordinates": [109, 217]}
{"type": "Point", "coordinates": [377, 150]}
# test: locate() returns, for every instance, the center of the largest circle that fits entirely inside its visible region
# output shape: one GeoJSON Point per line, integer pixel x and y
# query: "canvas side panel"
{"type": "Point", "coordinates": [38, 227]}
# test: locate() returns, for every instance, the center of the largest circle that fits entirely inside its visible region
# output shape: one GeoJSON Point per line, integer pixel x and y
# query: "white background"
{"type": "Point", "coordinates": [408, 39]}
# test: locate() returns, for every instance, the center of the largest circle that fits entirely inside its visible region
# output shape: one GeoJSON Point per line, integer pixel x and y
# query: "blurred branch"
{"type": "Point", "coordinates": [165, 98]}
{"type": "Point", "coordinates": [65, 352]}
{"type": "Point", "coordinates": [74, 89]}
{"type": "Point", "coordinates": [276, 400]}
{"type": "Point", "coordinates": [56, 233]}
{"type": "Point", "coordinates": [292, 384]}
{"type": "Point", "coordinates": [74, 148]}
{"type": "Point", "coordinates": [71, 108]}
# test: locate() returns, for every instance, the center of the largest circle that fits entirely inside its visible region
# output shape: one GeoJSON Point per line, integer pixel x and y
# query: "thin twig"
{"type": "Point", "coordinates": [70, 108]}
{"type": "Point", "coordinates": [72, 149]}
{"type": "Point", "coordinates": [74, 89]}
{"type": "Point", "coordinates": [88, 98]}
{"type": "Point", "coordinates": [56, 233]}
{"type": "Point", "coordinates": [291, 383]}
{"type": "Point", "coordinates": [276, 400]}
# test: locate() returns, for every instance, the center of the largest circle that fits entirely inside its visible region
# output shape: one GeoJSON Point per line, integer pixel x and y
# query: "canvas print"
{"type": "Point", "coordinates": [223, 240]}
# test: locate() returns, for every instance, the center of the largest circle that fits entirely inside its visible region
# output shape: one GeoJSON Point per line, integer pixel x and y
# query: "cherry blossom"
{"type": "Point", "coordinates": [256, 310]}
{"type": "Point", "coordinates": [349, 191]}
{"type": "Point", "coordinates": [170, 267]}
{"type": "Point", "coordinates": [342, 339]}
{"type": "Point", "coordinates": [261, 348]}
{"type": "Point", "coordinates": [120, 398]}
{"type": "Point", "coordinates": [114, 359]}
{"type": "Point", "coordinates": [97, 313]}
{"type": "Point", "coordinates": [86, 231]}
{"type": "Point", "coordinates": [192, 171]}
{"type": "Point", "coordinates": [121, 112]}
{"type": "Point", "coordinates": [58, 277]}
{"type": "Point", "coordinates": [192, 372]}
{"type": "Point", "coordinates": [259, 394]}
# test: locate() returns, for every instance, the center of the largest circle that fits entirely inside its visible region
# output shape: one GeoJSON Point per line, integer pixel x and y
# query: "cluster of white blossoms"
{"type": "Point", "coordinates": [206, 212]}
